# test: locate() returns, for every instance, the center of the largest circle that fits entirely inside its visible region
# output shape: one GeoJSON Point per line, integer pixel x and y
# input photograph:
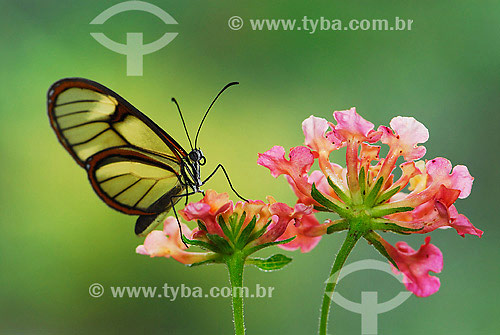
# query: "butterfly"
{"type": "Point", "coordinates": [133, 165]}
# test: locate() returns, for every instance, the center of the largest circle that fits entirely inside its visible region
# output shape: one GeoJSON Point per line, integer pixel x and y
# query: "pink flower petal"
{"type": "Point", "coordinates": [216, 200]}
{"type": "Point", "coordinates": [207, 210]}
{"type": "Point", "coordinates": [274, 160]}
{"type": "Point", "coordinates": [415, 266]}
{"type": "Point", "coordinates": [302, 240]}
{"type": "Point", "coordinates": [438, 168]}
{"type": "Point", "coordinates": [369, 153]}
{"type": "Point", "coordinates": [318, 178]}
{"type": "Point", "coordinates": [171, 230]}
{"type": "Point", "coordinates": [195, 210]}
{"type": "Point", "coordinates": [351, 124]}
{"type": "Point", "coordinates": [460, 179]}
{"type": "Point", "coordinates": [408, 132]}
{"type": "Point", "coordinates": [283, 216]}
{"type": "Point", "coordinates": [305, 197]}
{"type": "Point", "coordinates": [251, 208]}
{"type": "Point", "coordinates": [462, 224]}
{"type": "Point", "coordinates": [295, 169]}
{"type": "Point", "coordinates": [299, 164]}
{"type": "Point", "coordinates": [141, 250]}
{"type": "Point", "coordinates": [314, 129]}
{"type": "Point", "coordinates": [168, 243]}
{"type": "Point", "coordinates": [409, 170]}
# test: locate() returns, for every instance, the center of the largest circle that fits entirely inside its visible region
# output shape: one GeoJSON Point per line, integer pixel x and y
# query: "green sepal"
{"type": "Point", "coordinates": [338, 227]}
{"type": "Point", "coordinates": [322, 200]}
{"type": "Point", "coordinates": [379, 212]}
{"type": "Point", "coordinates": [272, 263]}
{"type": "Point", "coordinates": [236, 229]}
{"type": "Point", "coordinates": [362, 181]}
{"type": "Point", "coordinates": [260, 232]}
{"type": "Point", "coordinates": [256, 248]}
{"type": "Point", "coordinates": [370, 198]}
{"type": "Point", "coordinates": [201, 244]}
{"type": "Point", "coordinates": [374, 239]}
{"type": "Point", "coordinates": [202, 226]}
{"type": "Point", "coordinates": [223, 226]}
{"type": "Point", "coordinates": [387, 195]}
{"type": "Point", "coordinates": [321, 209]}
{"type": "Point", "coordinates": [221, 243]}
{"type": "Point", "coordinates": [380, 224]}
{"type": "Point", "coordinates": [338, 191]}
{"type": "Point", "coordinates": [245, 234]}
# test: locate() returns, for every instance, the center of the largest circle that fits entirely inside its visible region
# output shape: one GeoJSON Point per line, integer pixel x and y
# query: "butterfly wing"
{"type": "Point", "coordinates": [135, 183]}
{"type": "Point", "coordinates": [88, 118]}
{"type": "Point", "coordinates": [132, 164]}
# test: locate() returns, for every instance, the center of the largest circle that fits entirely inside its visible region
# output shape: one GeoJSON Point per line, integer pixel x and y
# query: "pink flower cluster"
{"type": "Point", "coordinates": [366, 188]}
{"type": "Point", "coordinates": [223, 227]}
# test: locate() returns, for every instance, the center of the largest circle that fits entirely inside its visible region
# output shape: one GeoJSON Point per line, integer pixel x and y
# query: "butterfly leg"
{"type": "Point", "coordinates": [178, 221]}
{"type": "Point", "coordinates": [172, 202]}
{"type": "Point", "coordinates": [220, 166]}
{"type": "Point", "coordinates": [187, 197]}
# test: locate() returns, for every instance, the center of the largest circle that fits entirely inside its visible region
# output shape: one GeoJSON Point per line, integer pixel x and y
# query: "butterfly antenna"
{"type": "Point", "coordinates": [208, 110]}
{"type": "Point", "coordinates": [183, 123]}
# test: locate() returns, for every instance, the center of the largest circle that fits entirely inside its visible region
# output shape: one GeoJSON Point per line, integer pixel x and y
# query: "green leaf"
{"type": "Point", "coordinates": [387, 195]}
{"type": "Point", "coordinates": [207, 262]}
{"type": "Point", "coordinates": [201, 244]}
{"type": "Point", "coordinates": [322, 200]}
{"type": "Point", "coordinates": [374, 239]}
{"type": "Point", "coordinates": [379, 212]}
{"type": "Point", "coordinates": [370, 198]}
{"type": "Point", "coordinates": [272, 263]}
{"type": "Point", "coordinates": [221, 243]}
{"type": "Point", "coordinates": [338, 191]}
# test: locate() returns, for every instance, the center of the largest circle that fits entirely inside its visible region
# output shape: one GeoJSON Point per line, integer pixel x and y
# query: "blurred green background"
{"type": "Point", "coordinates": [57, 238]}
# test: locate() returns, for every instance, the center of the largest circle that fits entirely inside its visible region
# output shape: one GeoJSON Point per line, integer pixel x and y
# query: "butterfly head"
{"type": "Point", "coordinates": [196, 157]}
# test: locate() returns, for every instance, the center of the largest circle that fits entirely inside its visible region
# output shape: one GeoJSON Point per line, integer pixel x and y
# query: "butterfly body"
{"type": "Point", "coordinates": [191, 169]}
{"type": "Point", "coordinates": [133, 165]}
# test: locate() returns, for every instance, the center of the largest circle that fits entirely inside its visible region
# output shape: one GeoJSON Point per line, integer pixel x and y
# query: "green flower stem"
{"type": "Point", "coordinates": [352, 237]}
{"type": "Point", "coordinates": [235, 264]}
